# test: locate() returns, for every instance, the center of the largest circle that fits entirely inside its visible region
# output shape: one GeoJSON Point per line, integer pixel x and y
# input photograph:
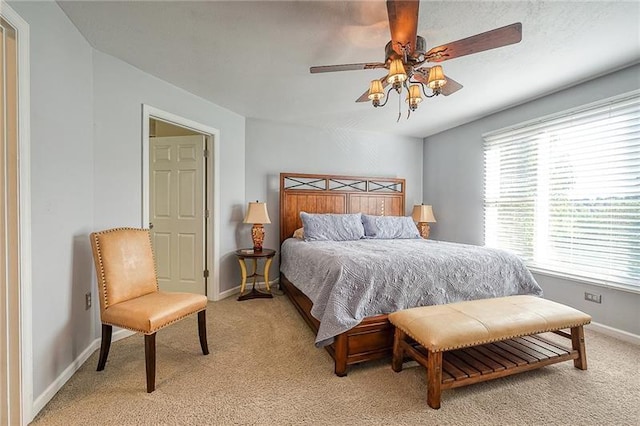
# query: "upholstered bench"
{"type": "Point", "coordinates": [470, 342]}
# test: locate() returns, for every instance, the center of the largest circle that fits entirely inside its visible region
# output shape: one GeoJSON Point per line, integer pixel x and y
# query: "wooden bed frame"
{"type": "Point", "coordinates": [373, 337]}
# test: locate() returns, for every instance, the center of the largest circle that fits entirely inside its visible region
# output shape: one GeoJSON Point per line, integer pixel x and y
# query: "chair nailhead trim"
{"type": "Point", "coordinates": [156, 329]}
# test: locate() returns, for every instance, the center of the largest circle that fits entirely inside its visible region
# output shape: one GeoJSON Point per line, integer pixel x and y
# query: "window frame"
{"type": "Point", "coordinates": [532, 265]}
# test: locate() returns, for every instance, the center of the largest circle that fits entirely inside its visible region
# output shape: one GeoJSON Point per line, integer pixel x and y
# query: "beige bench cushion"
{"type": "Point", "coordinates": [457, 325]}
{"type": "Point", "coordinates": [149, 313]}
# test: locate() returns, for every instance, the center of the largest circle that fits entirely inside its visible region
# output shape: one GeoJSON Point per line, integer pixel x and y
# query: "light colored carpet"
{"type": "Point", "coordinates": [264, 369]}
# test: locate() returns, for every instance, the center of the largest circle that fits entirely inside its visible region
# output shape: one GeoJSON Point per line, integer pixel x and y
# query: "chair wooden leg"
{"type": "Point", "coordinates": [150, 360]}
{"type": "Point", "coordinates": [202, 331]}
{"type": "Point", "coordinates": [577, 343]}
{"type": "Point", "coordinates": [398, 350]}
{"type": "Point", "coordinates": [104, 346]}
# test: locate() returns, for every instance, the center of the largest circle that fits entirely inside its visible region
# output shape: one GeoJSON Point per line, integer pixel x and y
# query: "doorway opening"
{"type": "Point", "coordinates": [180, 201]}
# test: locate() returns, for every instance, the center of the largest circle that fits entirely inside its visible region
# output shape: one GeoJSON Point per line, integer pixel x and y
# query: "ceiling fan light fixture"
{"type": "Point", "coordinates": [406, 53]}
{"type": "Point", "coordinates": [397, 73]}
{"type": "Point", "coordinates": [414, 97]}
{"type": "Point", "coordinates": [436, 78]}
{"type": "Point", "coordinates": [376, 92]}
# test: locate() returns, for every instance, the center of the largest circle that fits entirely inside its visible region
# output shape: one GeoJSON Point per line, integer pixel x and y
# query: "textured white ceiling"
{"type": "Point", "coordinates": [254, 57]}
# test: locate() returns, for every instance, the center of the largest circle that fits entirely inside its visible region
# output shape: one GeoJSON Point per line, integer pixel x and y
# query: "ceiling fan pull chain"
{"type": "Point", "coordinates": [399, 108]}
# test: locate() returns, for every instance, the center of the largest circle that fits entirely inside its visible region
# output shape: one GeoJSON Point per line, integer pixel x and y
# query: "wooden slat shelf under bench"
{"type": "Point", "coordinates": [463, 367]}
{"type": "Point", "coordinates": [472, 341]}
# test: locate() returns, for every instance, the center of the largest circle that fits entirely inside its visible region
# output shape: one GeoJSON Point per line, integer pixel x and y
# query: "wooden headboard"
{"type": "Point", "coordinates": [336, 194]}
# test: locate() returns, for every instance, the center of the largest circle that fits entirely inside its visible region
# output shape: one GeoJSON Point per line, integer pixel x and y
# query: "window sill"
{"type": "Point", "coordinates": [585, 280]}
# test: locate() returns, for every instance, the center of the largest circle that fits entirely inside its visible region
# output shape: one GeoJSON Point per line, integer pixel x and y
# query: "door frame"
{"type": "Point", "coordinates": [213, 186]}
{"type": "Point", "coordinates": [24, 351]}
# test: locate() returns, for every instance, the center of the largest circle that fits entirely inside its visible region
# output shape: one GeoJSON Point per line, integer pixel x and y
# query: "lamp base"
{"type": "Point", "coordinates": [257, 234]}
{"type": "Point", "coordinates": [424, 229]}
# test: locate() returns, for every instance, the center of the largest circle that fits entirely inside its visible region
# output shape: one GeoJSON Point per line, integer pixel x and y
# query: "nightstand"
{"type": "Point", "coordinates": [243, 255]}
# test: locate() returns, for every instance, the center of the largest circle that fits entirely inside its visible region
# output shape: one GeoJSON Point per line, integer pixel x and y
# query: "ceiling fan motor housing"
{"type": "Point", "coordinates": [416, 56]}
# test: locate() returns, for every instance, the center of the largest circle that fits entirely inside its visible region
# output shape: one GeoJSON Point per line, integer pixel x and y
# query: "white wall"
{"type": "Point", "coordinates": [273, 148]}
{"type": "Point", "coordinates": [86, 171]}
{"type": "Point", "coordinates": [62, 189]}
{"type": "Point", "coordinates": [119, 92]}
{"type": "Point", "coordinates": [453, 184]}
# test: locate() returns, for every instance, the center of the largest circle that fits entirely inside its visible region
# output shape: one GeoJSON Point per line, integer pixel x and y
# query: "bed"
{"type": "Point", "coordinates": [353, 332]}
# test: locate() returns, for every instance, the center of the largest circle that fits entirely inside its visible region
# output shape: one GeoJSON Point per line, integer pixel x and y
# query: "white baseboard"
{"type": "Point", "coordinates": [228, 293]}
{"type": "Point", "coordinates": [45, 397]}
{"type": "Point", "coordinates": [236, 290]}
{"type": "Point", "coordinates": [615, 332]}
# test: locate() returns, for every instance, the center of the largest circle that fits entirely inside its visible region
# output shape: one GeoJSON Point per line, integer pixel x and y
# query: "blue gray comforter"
{"type": "Point", "coordinates": [350, 280]}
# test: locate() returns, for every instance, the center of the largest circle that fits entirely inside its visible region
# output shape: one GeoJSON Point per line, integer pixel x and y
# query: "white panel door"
{"type": "Point", "coordinates": [176, 211]}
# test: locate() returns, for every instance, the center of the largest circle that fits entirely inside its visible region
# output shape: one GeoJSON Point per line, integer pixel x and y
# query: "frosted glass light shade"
{"type": "Point", "coordinates": [422, 213]}
{"type": "Point", "coordinates": [257, 213]}
{"type": "Point", "coordinates": [436, 78]}
{"type": "Point", "coordinates": [396, 72]}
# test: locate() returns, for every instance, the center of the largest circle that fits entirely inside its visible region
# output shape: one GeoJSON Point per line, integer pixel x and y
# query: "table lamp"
{"type": "Point", "coordinates": [258, 215]}
{"type": "Point", "coordinates": [423, 215]}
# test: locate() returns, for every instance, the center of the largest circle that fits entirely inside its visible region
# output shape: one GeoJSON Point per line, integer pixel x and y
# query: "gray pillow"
{"type": "Point", "coordinates": [332, 227]}
{"type": "Point", "coordinates": [389, 227]}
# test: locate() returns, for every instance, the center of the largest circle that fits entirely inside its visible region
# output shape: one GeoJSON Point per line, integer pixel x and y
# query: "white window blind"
{"type": "Point", "coordinates": [564, 192]}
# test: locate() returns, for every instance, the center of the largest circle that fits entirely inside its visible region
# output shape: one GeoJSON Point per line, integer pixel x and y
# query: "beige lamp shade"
{"type": "Point", "coordinates": [414, 94]}
{"type": "Point", "coordinates": [257, 213]}
{"type": "Point", "coordinates": [422, 213]}
{"type": "Point", "coordinates": [436, 78]}
{"type": "Point", "coordinates": [396, 72]}
{"type": "Point", "coordinates": [376, 92]}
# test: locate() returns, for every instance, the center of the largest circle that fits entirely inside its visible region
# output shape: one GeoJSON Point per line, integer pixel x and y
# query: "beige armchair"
{"type": "Point", "coordinates": [129, 294]}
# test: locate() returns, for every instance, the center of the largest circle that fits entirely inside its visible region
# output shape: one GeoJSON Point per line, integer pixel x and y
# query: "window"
{"type": "Point", "coordinates": [563, 192]}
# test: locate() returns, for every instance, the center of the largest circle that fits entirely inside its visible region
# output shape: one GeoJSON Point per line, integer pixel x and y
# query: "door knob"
{"type": "Point", "coordinates": [150, 225]}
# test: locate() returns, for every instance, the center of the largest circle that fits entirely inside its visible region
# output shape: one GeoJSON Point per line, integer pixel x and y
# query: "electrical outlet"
{"type": "Point", "coordinates": [87, 301]}
{"type": "Point", "coordinates": [591, 297]}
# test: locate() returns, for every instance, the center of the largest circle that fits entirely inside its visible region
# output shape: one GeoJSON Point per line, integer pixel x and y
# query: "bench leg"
{"type": "Point", "coordinates": [434, 379]}
{"type": "Point", "coordinates": [398, 350]}
{"type": "Point", "coordinates": [577, 343]}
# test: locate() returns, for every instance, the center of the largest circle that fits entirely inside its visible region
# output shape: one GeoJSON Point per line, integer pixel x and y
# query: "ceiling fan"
{"type": "Point", "coordinates": [406, 54]}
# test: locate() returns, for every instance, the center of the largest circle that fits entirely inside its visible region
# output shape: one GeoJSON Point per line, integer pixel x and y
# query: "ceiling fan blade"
{"type": "Point", "coordinates": [365, 95]}
{"type": "Point", "coordinates": [403, 24]}
{"type": "Point", "coordinates": [452, 86]}
{"type": "Point", "coordinates": [347, 67]}
{"type": "Point", "coordinates": [499, 37]}
{"type": "Point", "coordinates": [421, 74]}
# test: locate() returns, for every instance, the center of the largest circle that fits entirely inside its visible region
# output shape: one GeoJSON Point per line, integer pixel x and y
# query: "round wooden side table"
{"type": "Point", "coordinates": [243, 255]}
